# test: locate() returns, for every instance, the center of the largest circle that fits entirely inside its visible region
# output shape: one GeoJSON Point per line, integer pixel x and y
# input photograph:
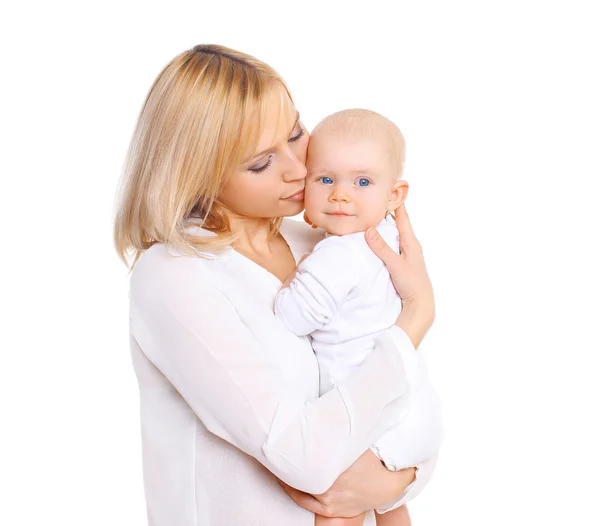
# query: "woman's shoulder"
{"type": "Point", "coordinates": [301, 237]}
{"type": "Point", "coordinates": [163, 266]}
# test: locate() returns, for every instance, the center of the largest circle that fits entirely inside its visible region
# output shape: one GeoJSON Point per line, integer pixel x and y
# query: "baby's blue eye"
{"type": "Point", "coordinates": [326, 180]}
{"type": "Point", "coordinates": [364, 182]}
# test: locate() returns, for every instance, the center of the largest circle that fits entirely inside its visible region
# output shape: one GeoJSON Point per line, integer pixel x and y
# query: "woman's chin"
{"type": "Point", "coordinates": [293, 208]}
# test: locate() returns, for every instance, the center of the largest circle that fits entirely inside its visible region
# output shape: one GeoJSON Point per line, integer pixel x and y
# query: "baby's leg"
{"type": "Point", "coordinates": [419, 434]}
{"type": "Point", "coordinates": [340, 521]}
{"type": "Point", "coordinates": [397, 517]}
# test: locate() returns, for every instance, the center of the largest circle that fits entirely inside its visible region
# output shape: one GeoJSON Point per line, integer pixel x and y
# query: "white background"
{"type": "Point", "coordinates": [500, 106]}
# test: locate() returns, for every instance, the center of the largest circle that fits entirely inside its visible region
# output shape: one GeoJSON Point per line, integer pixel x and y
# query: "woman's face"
{"type": "Point", "coordinates": [270, 183]}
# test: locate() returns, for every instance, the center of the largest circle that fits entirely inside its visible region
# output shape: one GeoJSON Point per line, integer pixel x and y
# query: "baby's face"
{"type": "Point", "coordinates": [349, 183]}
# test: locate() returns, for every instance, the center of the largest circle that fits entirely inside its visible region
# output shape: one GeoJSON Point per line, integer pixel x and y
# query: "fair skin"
{"type": "Point", "coordinates": [351, 183]}
{"type": "Point", "coordinates": [260, 189]}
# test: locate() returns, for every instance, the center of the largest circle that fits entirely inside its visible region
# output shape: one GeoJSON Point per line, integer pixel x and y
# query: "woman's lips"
{"type": "Point", "coordinates": [296, 197]}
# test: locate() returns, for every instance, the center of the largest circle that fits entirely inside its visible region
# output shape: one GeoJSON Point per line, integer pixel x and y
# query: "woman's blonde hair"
{"type": "Point", "coordinates": [201, 118]}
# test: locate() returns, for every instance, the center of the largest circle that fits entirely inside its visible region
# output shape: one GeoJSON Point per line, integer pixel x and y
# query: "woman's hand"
{"type": "Point", "coordinates": [409, 276]}
{"type": "Point", "coordinates": [365, 485]}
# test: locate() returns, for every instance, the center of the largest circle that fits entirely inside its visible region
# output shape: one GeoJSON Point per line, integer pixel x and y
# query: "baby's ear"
{"type": "Point", "coordinates": [399, 193]}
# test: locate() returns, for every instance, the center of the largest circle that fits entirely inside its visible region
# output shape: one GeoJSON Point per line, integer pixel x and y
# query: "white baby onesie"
{"type": "Point", "coordinates": [343, 296]}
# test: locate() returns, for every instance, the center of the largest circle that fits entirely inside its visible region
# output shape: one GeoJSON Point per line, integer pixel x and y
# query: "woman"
{"type": "Point", "coordinates": [229, 398]}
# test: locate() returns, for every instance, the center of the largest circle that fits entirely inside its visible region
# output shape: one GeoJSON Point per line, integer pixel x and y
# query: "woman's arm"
{"type": "Point", "coordinates": [348, 496]}
{"type": "Point", "coordinates": [409, 276]}
{"type": "Point", "coordinates": [192, 333]}
{"type": "Point", "coordinates": [365, 485]}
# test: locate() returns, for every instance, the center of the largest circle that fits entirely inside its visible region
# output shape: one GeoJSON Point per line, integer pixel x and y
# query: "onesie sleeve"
{"type": "Point", "coordinates": [322, 283]}
{"type": "Point", "coordinates": [187, 327]}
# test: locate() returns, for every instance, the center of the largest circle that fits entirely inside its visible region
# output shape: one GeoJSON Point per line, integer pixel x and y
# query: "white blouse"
{"type": "Point", "coordinates": [229, 397]}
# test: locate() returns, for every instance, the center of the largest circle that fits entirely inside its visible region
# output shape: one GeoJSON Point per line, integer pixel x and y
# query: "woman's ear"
{"type": "Point", "coordinates": [399, 193]}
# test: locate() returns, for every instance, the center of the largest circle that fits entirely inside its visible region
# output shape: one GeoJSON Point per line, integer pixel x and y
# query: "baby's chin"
{"type": "Point", "coordinates": [342, 230]}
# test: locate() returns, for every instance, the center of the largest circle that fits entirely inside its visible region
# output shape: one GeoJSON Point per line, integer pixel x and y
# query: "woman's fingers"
{"type": "Point", "coordinates": [405, 230]}
{"type": "Point", "coordinates": [380, 247]}
{"type": "Point", "coordinates": [304, 500]}
{"type": "Point", "coordinates": [407, 269]}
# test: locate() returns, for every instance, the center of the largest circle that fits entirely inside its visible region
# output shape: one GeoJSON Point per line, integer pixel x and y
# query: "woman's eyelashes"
{"type": "Point", "coordinates": [297, 136]}
{"type": "Point", "coordinates": [262, 168]}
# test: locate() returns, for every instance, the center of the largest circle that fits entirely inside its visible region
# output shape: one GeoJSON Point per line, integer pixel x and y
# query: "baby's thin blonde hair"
{"type": "Point", "coordinates": [356, 122]}
{"type": "Point", "coordinates": [201, 118]}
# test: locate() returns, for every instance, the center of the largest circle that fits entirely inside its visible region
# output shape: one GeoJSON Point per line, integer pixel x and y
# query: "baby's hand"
{"type": "Point", "coordinates": [289, 279]}
{"type": "Point", "coordinates": [306, 220]}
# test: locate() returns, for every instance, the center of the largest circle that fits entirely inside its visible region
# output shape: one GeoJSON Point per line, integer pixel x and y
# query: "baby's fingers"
{"type": "Point", "coordinates": [308, 221]}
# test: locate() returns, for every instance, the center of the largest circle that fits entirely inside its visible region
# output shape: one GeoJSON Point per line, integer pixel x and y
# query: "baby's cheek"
{"type": "Point", "coordinates": [311, 199]}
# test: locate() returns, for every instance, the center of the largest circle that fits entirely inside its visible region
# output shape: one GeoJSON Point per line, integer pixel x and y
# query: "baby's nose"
{"type": "Point", "coordinates": [339, 195]}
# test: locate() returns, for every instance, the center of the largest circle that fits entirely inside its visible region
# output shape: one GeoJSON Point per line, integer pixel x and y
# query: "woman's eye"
{"type": "Point", "coordinates": [260, 169]}
{"type": "Point", "coordinates": [364, 182]}
{"type": "Point", "coordinates": [297, 137]}
{"type": "Point", "coordinates": [325, 179]}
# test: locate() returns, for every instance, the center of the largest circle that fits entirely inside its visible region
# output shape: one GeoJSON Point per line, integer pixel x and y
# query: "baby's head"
{"type": "Point", "coordinates": [355, 161]}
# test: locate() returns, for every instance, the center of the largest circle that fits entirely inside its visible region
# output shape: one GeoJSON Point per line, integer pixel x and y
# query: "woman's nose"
{"type": "Point", "coordinates": [295, 169]}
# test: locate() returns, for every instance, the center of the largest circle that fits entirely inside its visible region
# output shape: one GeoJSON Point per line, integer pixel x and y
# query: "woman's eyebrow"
{"type": "Point", "coordinates": [268, 150]}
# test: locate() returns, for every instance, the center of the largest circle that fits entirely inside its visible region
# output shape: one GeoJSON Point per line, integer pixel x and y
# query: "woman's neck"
{"type": "Point", "coordinates": [253, 233]}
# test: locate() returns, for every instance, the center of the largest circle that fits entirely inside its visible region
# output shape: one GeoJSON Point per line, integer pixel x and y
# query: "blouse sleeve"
{"type": "Point", "coordinates": [322, 283]}
{"type": "Point", "coordinates": [192, 333]}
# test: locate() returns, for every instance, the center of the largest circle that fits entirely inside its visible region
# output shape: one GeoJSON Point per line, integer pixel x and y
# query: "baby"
{"type": "Point", "coordinates": [342, 294]}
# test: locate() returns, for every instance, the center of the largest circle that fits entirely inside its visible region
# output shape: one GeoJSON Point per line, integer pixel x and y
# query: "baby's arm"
{"type": "Point", "coordinates": [321, 284]}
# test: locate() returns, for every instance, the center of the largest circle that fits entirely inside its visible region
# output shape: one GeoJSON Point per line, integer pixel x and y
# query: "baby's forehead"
{"type": "Point", "coordinates": [358, 124]}
{"type": "Point", "coordinates": [355, 126]}
{"type": "Point", "coordinates": [327, 138]}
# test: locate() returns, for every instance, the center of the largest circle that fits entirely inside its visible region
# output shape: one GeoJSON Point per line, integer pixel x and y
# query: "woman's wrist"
{"type": "Point", "coordinates": [415, 320]}
{"type": "Point", "coordinates": [405, 477]}
{"type": "Point", "coordinates": [399, 481]}
{"type": "Point", "coordinates": [390, 486]}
